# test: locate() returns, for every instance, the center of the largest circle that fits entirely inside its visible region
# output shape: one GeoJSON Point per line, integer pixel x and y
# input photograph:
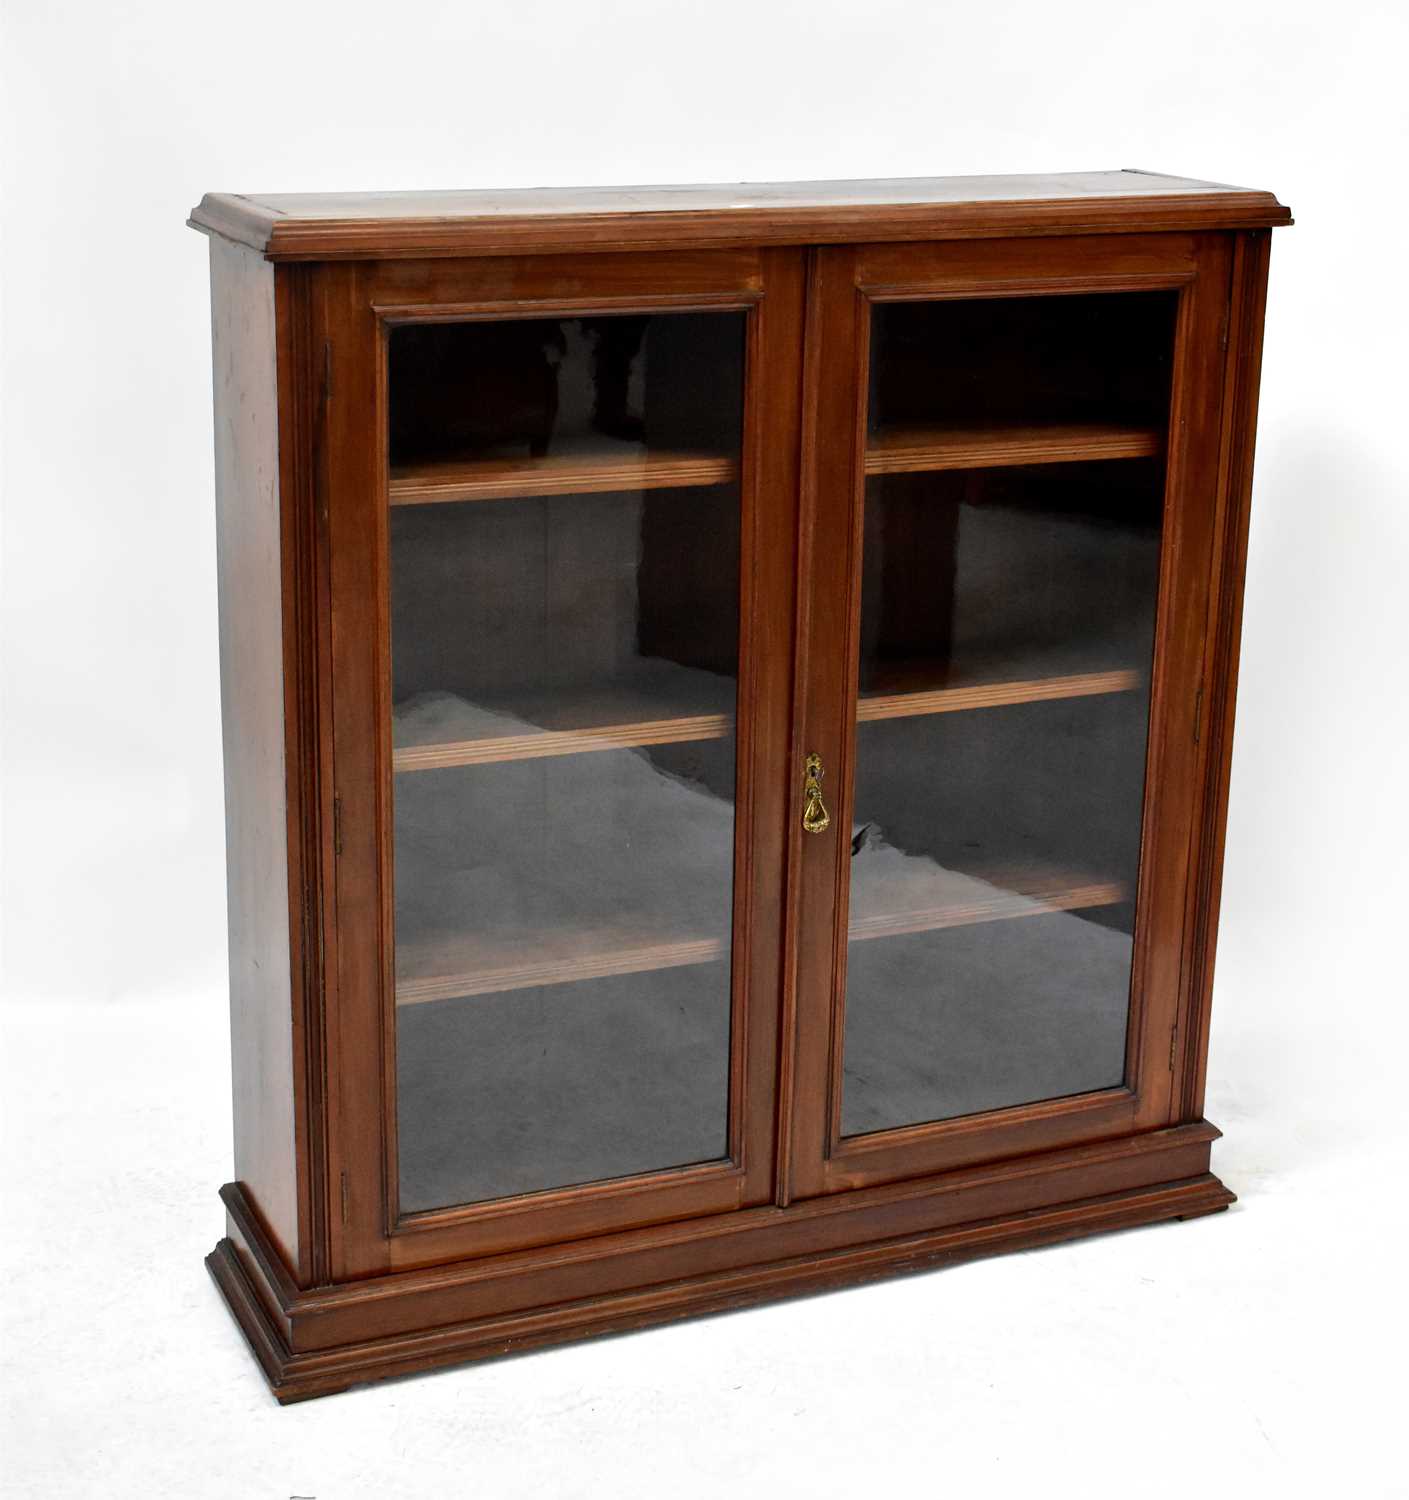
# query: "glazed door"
{"type": "Point", "coordinates": [562, 562]}
{"type": "Point", "coordinates": [1016, 461]}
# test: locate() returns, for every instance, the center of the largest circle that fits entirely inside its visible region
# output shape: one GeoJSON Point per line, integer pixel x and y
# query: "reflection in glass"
{"type": "Point", "coordinates": [1007, 624]}
{"type": "Point", "coordinates": [564, 607]}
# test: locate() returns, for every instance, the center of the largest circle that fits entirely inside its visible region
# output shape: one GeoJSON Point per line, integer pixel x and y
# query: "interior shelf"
{"type": "Point", "coordinates": [908, 895]}
{"type": "Point", "coordinates": [588, 470]}
{"type": "Point", "coordinates": [589, 736]}
{"type": "Point", "coordinates": [562, 742]}
{"type": "Point", "coordinates": [996, 445]}
{"type": "Point", "coordinates": [905, 705]}
{"type": "Point", "coordinates": [899, 450]}
{"type": "Point", "coordinates": [498, 976]}
{"type": "Point", "coordinates": [654, 703]}
{"type": "Point", "coordinates": [1054, 893]}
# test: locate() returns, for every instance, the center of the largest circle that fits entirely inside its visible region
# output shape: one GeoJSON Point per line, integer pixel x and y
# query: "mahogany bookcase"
{"type": "Point", "coordinates": [728, 696]}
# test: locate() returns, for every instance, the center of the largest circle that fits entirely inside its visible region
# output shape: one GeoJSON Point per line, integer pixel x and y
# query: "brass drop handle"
{"type": "Point", "coordinates": [815, 817]}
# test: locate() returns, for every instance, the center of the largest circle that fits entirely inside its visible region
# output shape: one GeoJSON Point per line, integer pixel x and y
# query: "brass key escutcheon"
{"type": "Point", "coordinates": [815, 817]}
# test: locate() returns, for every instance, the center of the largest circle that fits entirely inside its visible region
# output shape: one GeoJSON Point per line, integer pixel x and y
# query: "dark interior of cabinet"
{"type": "Point", "coordinates": [1000, 571]}
{"type": "Point", "coordinates": [555, 600]}
{"type": "Point", "coordinates": [1012, 573]}
{"type": "Point", "coordinates": [971, 575]}
{"type": "Point", "coordinates": [1022, 360]}
{"type": "Point", "coordinates": [644, 573]}
{"type": "Point", "coordinates": [630, 383]}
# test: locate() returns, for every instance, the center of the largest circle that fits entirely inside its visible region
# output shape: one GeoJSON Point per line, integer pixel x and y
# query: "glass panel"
{"type": "Point", "coordinates": [1010, 574]}
{"type": "Point", "coordinates": [564, 622]}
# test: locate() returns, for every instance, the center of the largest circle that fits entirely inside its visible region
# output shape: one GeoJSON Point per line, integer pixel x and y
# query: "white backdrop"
{"type": "Point", "coordinates": [1250, 1340]}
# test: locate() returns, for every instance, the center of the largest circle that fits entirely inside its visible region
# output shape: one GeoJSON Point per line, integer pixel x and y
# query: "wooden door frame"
{"type": "Point", "coordinates": [353, 306]}
{"type": "Point", "coordinates": [1166, 994]}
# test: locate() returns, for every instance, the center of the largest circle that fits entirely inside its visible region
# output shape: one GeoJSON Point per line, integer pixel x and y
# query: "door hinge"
{"type": "Point", "coordinates": [327, 391]}
{"type": "Point", "coordinates": [337, 825]}
{"type": "Point", "coordinates": [1173, 1044]}
{"type": "Point", "coordinates": [344, 1196]}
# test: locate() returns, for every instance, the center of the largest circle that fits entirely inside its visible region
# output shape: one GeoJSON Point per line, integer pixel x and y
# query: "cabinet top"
{"type": "Point", "coordinates": [344, 226]}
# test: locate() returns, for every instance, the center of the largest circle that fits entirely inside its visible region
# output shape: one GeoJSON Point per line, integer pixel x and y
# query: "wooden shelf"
{"type": "Point", "coordinates": [563, 742]}
{"type": "Point", "coordinates": [1002, 907]}
{"type": "Point", "coordinates": [1039, 897]}
{"type": "Point", "coordinates": [653, 703]}
{"type": "Point", "coordinates": [906, 450]}
{"type": "Point", "coordinates": [573, 473]}
{"type": "Point", "coordinates": [678, 730]}
{"type": "Point", "coordinates": [873, 706]}
{"type": "Point", "coordinates": [912, 450]}
{"type": "Point", "coordinates": [520, 976]}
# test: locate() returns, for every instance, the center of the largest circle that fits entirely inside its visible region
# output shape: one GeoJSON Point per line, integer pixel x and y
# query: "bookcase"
{"type": "Point", "coordinates": [728, 698]}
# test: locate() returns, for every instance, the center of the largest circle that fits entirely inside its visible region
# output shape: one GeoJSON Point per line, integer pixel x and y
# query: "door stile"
{"type": "Point", "coordinates": [836, 404]}
{"type": "Point", "coordinates": [768, 608]}
{"type": "Point", "coordinates": [357, 1064]}
{"type": "Point", "coordinates": [1159, 993]}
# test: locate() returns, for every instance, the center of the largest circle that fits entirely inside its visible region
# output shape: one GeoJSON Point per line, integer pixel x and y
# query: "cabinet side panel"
{"type": "Point", "coordinates": [1247, 309]}
{"type": "Point", "coordinates": [252, 714]}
